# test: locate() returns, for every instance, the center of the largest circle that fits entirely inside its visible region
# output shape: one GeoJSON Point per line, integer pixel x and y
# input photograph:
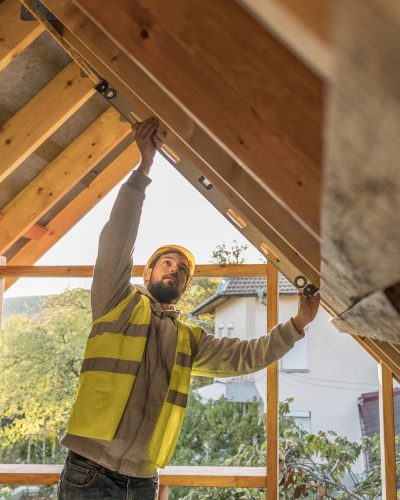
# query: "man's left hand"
{"type": "Point", "coordinates": [307, 310]}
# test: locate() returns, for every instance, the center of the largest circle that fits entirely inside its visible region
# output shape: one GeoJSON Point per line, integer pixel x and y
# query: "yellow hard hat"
{"type": "Point", "coordinates": [173, 248]}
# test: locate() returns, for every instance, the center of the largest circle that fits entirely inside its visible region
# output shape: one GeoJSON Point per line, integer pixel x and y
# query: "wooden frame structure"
{"type": "Point", "coordinates": [265, 167]}
{"type": "Point", "coordinates": [246, 477]}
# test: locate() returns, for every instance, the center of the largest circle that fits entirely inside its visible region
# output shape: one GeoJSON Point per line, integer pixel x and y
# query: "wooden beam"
{"type": "Point", "coordinates": [223, 477]}
{"type": "Point", "coordinates": [77, 208]}
{"type": "Point", "coordinates": [387, 431]}
{"type": "Point", "coordinates": [237, 477]}
{"type": "Point", "coordinates": [234, 187]}
{"type": "Point", "coordinates": [35, 232]}
{"type": "Point", "coordinates": [304, 27]}
{"type": "Point", "coordinates": [213, 58]}
{"type": "Point", "coordinates": [272, 413]}
{"type": "Point", "coordinates": [54, 181]}
{"type": "Point", "coordinates": [2, 283]}
{"type": "Point", "coordinates": [163, 494]}
{"type": "Point", "coordinates": [201, 270]}
{"type": "Point", "coordinates": [15, 34]}
{"type": "Point", "coordinates": [386, 353]}
{"type": "Point", "coordinates": [41, 116]}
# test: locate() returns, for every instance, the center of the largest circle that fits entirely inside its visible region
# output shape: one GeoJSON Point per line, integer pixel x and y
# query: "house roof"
{"type": "Point", "coordinates": [241, 287]}
{"type": "Point", "coordinates": [368, 405]}
{"type": "Point", "coordinates": [305, 174]}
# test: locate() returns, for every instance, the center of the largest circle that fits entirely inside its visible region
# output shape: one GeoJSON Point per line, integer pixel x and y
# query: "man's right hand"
{"type": "Point", "coordinates": [145, 141]}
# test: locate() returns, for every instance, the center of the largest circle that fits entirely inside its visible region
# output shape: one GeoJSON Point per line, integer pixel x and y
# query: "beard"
{"type": "Point", "coordinates": [164, 293]}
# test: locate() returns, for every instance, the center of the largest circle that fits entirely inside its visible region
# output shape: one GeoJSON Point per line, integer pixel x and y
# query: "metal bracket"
{"type": "Point", "coordinates": [27, 16]}
{"type": "Point", "coordinates": [310, 290]}
{"type": "Point", "coordinates": [105, 90]}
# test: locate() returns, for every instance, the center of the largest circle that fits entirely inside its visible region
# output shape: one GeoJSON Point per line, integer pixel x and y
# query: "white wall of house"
{"type": "Point", "coordinates": [325, 374]}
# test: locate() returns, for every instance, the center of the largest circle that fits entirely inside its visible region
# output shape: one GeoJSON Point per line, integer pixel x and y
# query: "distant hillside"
{"type": "Point", "coordinates": [22, 305]}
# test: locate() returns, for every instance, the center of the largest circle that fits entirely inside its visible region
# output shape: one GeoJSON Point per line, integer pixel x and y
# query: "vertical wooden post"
{"type": "Point", "coordinates": [387, 431]}
{"type": "Point", "coordinates": [2, 281]}
{"type": "Point", "coordinates": [163, 494]}
{"type": "Point", "coordinates": [272, 413]}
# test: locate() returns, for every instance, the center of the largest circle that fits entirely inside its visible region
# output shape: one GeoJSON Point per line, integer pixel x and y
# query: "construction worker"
{"type": "Point", "coordinates": [134, 380]}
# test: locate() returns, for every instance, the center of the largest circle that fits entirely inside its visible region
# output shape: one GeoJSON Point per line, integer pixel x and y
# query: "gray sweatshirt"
{"type": "Point", "coordinates": [214, 357]}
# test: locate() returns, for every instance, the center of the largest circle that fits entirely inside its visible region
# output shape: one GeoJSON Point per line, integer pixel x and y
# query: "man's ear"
{"type": "Point", "coordinates": [147, 275]}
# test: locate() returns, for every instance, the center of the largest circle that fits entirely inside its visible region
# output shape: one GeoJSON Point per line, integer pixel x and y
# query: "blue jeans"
{"type": "Point", "coordinates": [83, 479]}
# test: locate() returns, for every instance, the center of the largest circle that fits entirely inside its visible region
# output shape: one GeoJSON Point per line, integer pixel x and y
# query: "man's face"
{"type": "Point", "coordinates": [167, 279]}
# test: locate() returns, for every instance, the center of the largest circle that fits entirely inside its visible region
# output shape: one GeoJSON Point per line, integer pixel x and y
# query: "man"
{"type": "Point", "coordinates": [139, 357]}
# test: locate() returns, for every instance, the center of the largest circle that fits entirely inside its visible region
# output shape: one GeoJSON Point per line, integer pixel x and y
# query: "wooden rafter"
{"type": "Point", "coordinates": [41, 116]}
{"type": "Point", "coordinates": [15, 34]}
{"type": "Point", "coordinates": [185, 47]}
{"type": "Point", "coordinates": [305, 27]}
{"type": "Point", "coordinates": [53, 182]}
{"type": "Point", "coordinates": [297, 249]}
{"type": "Point", "coordinates": [34, 232]}
{"type": "Point", "coordinates": [77, 208]}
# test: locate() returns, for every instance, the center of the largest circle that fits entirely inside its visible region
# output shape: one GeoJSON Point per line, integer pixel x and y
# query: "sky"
{"type": "Point", "coordinates": [174, 212]}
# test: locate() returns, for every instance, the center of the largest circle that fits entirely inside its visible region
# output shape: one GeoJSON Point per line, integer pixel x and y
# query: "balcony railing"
{"type": "Point", "coordinates": [196, 476]}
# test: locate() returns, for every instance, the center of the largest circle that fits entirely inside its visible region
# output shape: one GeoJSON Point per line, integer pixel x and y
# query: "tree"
{"type": "Point", "coordinates": [222, 254]}
{"type": "Point", "coordinates": [40, 362]}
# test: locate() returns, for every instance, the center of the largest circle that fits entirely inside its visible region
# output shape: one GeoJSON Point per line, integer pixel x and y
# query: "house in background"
{"type": "Point", "coordinates": [326, 373]}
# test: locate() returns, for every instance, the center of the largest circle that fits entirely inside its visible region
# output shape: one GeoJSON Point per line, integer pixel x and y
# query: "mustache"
{"type": "Point", "coordinates": [170, 276]}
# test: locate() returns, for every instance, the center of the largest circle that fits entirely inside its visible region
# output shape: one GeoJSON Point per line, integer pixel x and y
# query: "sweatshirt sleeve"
{"type": "Point", "coordinates": [227, 357]}
{"type": "Point", "coordinates": [112, 271]}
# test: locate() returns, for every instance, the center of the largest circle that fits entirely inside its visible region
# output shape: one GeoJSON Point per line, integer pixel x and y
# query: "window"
{"type": "Point", "coordinates": [303, 419]}
{"type": "Point", "coordinates": [220, 330]}
{"type": "Point", "coordinates": [230, 327]}
{"type": "Point", "coordinates": [296, 360]}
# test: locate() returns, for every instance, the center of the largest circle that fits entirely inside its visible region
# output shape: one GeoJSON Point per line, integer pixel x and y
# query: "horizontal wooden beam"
{"type": "Point", "coordinates": [224, 477]}
{"type": "Point", "coordinates": [61, 175]}
{"type": "Point", "coordinates": [236, 477]}
{"type": "Point", "coordinates": [201, 270]}
{"type": "Point", "coordinates": [77, 208]}
{"type": "Point", "coordinates": [15, 34]}
{"type": "Point", "coordinates": [41, 116]}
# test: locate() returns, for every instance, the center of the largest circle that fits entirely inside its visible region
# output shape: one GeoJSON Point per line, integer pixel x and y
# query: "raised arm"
{"type": "Point", "coordinates": [112, 272]}
{"type": "Point", "coordinates": [228, 357]}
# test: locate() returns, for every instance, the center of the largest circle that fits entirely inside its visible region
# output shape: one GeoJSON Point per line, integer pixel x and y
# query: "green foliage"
{"type": "Point", "coordinates": [312, 465]}
{"type": "Point", "coordinates": [199, 290]}
{"type": "Point", "coordinates": [40, 361]}
{"type": "Point", "coordinates": [206, 439]}
{"type": "Point", "coordinates": [223, 254]}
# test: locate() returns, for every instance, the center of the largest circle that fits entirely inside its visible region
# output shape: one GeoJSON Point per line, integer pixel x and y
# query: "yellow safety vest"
{"type": "Point", "coordinates": [113, 355]}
